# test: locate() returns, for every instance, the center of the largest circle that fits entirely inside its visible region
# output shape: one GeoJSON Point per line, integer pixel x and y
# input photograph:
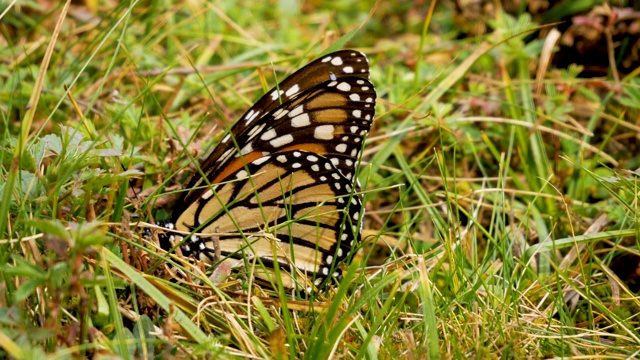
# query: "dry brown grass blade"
{"type": "Point", "coordinates": [545, 59]}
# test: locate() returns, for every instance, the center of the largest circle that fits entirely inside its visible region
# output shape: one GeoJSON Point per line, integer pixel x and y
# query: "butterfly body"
{"type": "Point", "coordinates": [280, 185]}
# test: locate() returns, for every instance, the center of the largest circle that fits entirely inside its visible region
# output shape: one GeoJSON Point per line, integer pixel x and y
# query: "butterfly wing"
{"type": "Point", "coordinates": [287, 167]}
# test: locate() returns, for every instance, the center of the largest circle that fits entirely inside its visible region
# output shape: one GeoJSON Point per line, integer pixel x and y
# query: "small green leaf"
{"type": "Point", "coordinates": [25, 269]}
{"type": "Point", "coordinates": [102, 313]}
{"type": "Point", "coordinates": [52, 227]}
{"type": "Point", "coordinates": [26, 289]}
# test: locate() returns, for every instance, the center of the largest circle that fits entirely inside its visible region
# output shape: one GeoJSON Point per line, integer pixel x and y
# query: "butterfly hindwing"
{"type": "Point", "coordinates": [299, 197]}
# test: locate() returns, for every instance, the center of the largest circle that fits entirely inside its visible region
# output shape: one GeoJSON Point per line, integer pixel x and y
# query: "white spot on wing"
{"type": "Point", "coordinates": [343, 86]}
{"type": "Point", "coordinates": [276, 94]}
{"type": "Point", "coordinates": [241, 174]}
{"type": "Point", "coordinates": [301, 120]}
{"type": "Point", "coordinates": [255, 131]}
{"type": "Point", "coordinates": [247, 149]}
{"type": "Point", "coordinates": [292, 90]}
{"type": "Point", "coordinates": [296, 111]}
{"type": "Point", "coordinates": [341, 148]}
{"type": "Point", "coordinates": [226, 155]}
{"type": "Point", "coordinates": [268, 135]}
{"type": "Point", "coordinates": [251, 116]}
{"type": "Point", "coordinates": [282, 140]}
{"type": "Point", "coordinates": [323, 132]}
{"type": "Point", "coordinates": [337, 61]}
{"type": "Point", "coordinates": [261, 160]}
{"type": "Point", "coordinates": [207, 195]}
{"type": "Point", "coordinates": [280, 113]}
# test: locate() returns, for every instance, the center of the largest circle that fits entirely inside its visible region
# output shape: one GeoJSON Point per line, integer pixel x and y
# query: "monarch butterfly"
{"type": "Point", "coordinates": [286, 166]}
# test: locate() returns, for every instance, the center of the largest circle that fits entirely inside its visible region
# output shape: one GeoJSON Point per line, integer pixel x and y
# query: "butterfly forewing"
{"type": "Point", "coordinates": [338, 90]}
